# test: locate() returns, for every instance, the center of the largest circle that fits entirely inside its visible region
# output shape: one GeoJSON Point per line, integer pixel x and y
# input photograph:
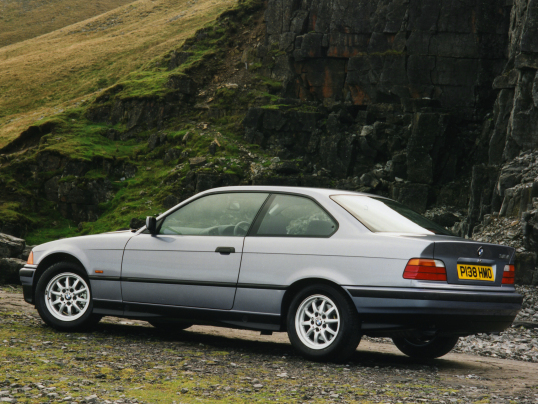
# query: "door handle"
{"type": "Point", "coordinates": [225, 250]}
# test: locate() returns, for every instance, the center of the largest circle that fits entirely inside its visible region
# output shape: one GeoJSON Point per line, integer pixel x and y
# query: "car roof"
{"type": "Point", "coordinates": [284, 189]}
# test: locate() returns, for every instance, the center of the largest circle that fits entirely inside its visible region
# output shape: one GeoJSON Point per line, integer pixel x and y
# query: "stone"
{"type": "Point", "coordinates": [507, 80]}
{"type": "Point", "coordinates": [170, 201]}
{"type": "Point", "coordinates": [525, 268]}
{"type": "Point", "coordinates": [213, 147]}
{"type": "Point", "coordinates": [10, 246]}
{"type": "Point", "coordinates": [153, 142]}
{"type": "Point", "coordinates": [183, 84]}
{"type": "Point", "coordinates": [26, 253]}
{"type": "Point", "coordinates": [445, 219]}
{"type": "Point", "coordinates": [171, 154]}
{"type": "Point", "coordinates": [178, 58]}
{"type": "Point", "coordinates": [92, 399]}
{"type": "Point", "coordinates": [208, 181]}
{"type": "Point", "coordinates": [197, 161]}
{"type": "Point", "coordinates": [136, 223]}
{"type": "Point", "coordinates": [9, 270]}
{"type": "Point", "coordinates": [529, 39]}
{"type": "Point", "coordinates": [414, 196]}
{"type": "Point", "coordinates": [426, 138]}
{"type": "Point", "coordinates": [287, 167]}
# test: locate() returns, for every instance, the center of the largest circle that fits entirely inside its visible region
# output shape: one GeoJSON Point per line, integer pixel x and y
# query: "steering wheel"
{"type": "Point", "coordinates": [241, 228]}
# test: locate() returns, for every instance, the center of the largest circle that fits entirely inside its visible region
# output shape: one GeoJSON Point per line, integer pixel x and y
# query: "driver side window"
{"type": "Point", "coordinates": [228, 214]}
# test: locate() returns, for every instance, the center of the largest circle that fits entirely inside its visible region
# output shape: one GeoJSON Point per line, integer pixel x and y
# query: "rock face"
{"type": "Point", "coordinates": [397, 92]}
{"type": "Point", "coordinates": [513, 128]}
{"type": "Point", "coordinates": [390, 51]}
{"type": "Point", "coordinates": [11, 246]}
{"type": "Point", "coordinates": [9, 270]}
{"type": "Point", "coordinates": [12, 249]}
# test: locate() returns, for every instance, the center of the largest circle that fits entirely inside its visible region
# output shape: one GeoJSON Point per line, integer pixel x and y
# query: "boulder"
{"type": "Point", "coordinates": [414, 196]}
{"type": "Point", "coordinates": [445, 219]}
{"type": "Point", "coordinates": [26, 253]}
{"type": "Point", "coordinates": [9, 270]}
{"type": "Point", "coordinates": [171, 154]}
{"type": "Point", "coordinates": [197, 161]}
{"type": "Point", "coordinates": [170, 201]}
{"type": "Point", "coordinates": [525, 268]}
{"type": "Point", "coordinates": [136, 223]}
{"type": "Point", "coordinates": [287, 167]}
{"type": "Point", "coordinates": [11, 247]}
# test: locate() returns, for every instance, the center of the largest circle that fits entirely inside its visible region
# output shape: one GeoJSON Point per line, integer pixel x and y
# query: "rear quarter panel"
{"type": "Point", "coordinates": [365, 259]}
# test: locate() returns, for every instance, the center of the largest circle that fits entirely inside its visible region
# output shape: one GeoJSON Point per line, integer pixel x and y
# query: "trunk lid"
{"type": "Point", "coordinates": [465, 258]}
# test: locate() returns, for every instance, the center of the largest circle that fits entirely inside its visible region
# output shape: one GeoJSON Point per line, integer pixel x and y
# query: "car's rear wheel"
{"type": "Point", "coordinates": [170, 325]}
{"type": "Point", "coordinates": [323, 325]}
{"type": "Point", "coordinates": [426, 347]}
{"type": "Point", "coordinates": [63, 297]}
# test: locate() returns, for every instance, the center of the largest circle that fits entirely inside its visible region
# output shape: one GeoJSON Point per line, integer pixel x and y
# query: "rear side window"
{"type": "Point", "coordinates": [386, 215]}
{"type": "Point", "coordinates": [294, 216]}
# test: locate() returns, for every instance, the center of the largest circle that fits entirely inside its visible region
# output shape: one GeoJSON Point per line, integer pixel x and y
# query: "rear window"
{"type": "Point", "coordinates": [385, 215]}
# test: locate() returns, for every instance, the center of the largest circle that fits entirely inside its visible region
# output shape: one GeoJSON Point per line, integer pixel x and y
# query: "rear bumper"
{"type": "Point", "coordinates": [390, 311]}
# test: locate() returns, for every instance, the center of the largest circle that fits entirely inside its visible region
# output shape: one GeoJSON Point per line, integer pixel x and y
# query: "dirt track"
{"type": "Point", "coordinates": [381, 371]}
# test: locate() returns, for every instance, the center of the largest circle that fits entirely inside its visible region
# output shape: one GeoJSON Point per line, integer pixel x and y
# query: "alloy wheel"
{"type": "Point", "coordinates": [317, 322]}
{"type": "Point", "coordinates": [67, 296]}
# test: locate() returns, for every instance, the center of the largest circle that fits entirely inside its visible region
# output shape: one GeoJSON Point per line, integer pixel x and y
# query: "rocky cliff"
{"type": "Point", "coordinates": [430, 102]}
{"type": "Point", "coordinates": [398, 92]}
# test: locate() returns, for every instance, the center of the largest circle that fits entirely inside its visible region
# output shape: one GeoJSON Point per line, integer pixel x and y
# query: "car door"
{"type": "Point", "coordinates": [290, 239]}
{"type": "Point", "coordinates": [194, 258]}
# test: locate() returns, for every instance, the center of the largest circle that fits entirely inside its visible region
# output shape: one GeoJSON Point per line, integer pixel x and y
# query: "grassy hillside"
{"type": "Point", "coordinates": [94, 158]}
{"type": "Point", "coordinates": [44, 76]}
{"type": "Point", "coordinates": [25, 19]}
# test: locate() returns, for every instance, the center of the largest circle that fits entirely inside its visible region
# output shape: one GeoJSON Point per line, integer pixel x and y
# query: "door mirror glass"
{"type": "Point", "coordinates": [151, 224]}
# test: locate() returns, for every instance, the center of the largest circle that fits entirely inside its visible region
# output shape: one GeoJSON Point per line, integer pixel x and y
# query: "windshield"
{"type": "Point", "coordinates": [385, 215]}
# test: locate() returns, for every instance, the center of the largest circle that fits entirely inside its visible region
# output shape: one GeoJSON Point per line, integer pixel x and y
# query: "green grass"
{"type": "Point", "coordinates": [141, 363]}
{"type": "Point", "coordinates": [76, 138]}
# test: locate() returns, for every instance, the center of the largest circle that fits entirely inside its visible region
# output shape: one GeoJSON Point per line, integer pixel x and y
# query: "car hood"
{"type": "Point", "coordinates": [105, 241]}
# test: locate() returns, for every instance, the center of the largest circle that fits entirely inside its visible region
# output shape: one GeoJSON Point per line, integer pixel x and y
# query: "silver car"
{"type": "Point", "coordinates": [327, 266]}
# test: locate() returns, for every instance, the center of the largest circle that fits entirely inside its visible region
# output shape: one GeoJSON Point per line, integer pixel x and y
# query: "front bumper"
{"type": "Point", "coordinates": [390, 311]}
{"type": "Point", "coordinates": [26, 275]}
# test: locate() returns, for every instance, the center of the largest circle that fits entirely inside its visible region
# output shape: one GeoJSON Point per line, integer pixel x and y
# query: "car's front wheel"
{"type": "Point", "coordinates": [427, 347]}
{"type": "Point", "coordinates": [63, 297]}
{"type": "Point", "coordinates": [323, 325]}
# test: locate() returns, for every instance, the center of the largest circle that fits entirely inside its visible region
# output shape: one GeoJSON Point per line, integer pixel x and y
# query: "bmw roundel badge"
{"type": "Point", "coordinates": [480, 251]}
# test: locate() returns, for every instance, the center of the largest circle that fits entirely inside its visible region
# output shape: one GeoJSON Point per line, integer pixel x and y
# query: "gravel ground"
{"type": "Point", "coordinates": [520, 342]}
{"type": "Point", "coordinates": [125, 361]}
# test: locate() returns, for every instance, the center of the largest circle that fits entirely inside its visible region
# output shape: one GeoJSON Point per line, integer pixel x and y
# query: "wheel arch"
{"type": "Point", "coordinates": [299, 285]}
{"type": "Point", "coordinates": [50, 260]}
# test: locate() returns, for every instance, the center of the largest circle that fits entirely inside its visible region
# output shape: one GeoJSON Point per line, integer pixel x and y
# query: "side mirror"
{"type": "Point", "coordinates": [151, 224]}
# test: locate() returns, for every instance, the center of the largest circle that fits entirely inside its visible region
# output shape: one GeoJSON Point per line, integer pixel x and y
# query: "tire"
{"type": "Point", "coordinates": [339, 327]}
{"type": "Point", "coordinates": [170, 325]}
{"type": "Point", "coordinates": [426, 348]}
{"type": "Point", "coordinates": [76, 313]}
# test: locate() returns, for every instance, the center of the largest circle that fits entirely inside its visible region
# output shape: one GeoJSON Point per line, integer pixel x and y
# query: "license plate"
{"type": "Point", "coordinates": [475, 272]}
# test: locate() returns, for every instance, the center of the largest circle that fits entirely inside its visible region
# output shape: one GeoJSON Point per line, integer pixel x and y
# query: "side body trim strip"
{"type": "Point", "coordinates": [456, 296]}
{"type": "Point", "coordinates": [194, 283]}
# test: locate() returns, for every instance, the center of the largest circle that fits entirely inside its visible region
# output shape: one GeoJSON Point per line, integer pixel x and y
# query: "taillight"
{"type": "Point", "coordinates": [425, 270]}
{"type": "Point", "coordinates": [30, 258]}
{"type": "Point", "coordinates": [508, 275]}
